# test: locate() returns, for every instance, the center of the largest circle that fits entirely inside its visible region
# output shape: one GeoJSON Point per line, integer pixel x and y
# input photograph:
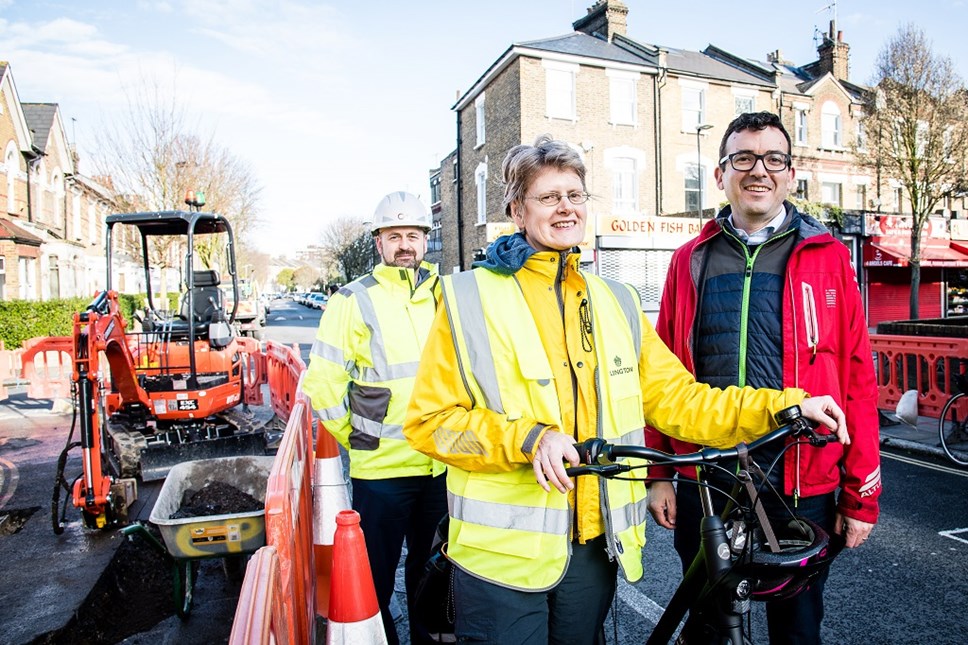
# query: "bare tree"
{"type": "Point", "coordinates": [154, 157]}
{"type": "Point", "coordinates": [916, 129]}
{"type": "Point", "coordinates": [349, 244]}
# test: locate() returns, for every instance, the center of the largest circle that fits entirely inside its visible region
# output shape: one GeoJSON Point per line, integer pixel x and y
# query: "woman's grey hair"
{"type": "Point", "coordinates": [523, 162]}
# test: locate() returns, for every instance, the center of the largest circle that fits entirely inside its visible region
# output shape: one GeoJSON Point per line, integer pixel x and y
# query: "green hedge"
{"type": "Point", "coordinates": [21, 320]}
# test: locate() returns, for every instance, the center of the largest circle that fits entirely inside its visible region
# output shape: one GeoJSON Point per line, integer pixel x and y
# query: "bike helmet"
{"type": "Point", "coordinates": [806, 550]}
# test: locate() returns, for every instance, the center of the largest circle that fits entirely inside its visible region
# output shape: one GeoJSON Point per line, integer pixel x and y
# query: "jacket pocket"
{"type": "Point", "coordinates": [368, 409]}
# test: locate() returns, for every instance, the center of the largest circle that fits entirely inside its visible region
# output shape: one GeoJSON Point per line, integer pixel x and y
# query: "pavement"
{"type": "Point", "coordinates": [921, 439]}
{"type": "Point", "coordinates": [47, 577]}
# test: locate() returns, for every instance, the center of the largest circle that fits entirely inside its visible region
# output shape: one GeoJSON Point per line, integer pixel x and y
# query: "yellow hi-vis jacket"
{"type": "Point", "coordinates": [362, 366]}
{"type": "Point", "coordinates": [485, 393]}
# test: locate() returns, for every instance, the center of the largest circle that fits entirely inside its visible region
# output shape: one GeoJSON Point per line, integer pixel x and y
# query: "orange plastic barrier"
{"type": "Point", "coordinates": [289, 526]}
{"type": "Point", "coordinates": [47, 365]}
{"type": "Point", "coordinates": [284, 365]}
{"type": "Point", "coordinates": [254, 369]}
{"type": "Point", "coordinates": [259, 618]}
{"type": "Point", "coordinates": [925, 364]}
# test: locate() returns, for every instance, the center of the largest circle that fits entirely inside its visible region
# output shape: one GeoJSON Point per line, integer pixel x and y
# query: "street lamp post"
{"type": "Point", "coordinates": [699, 130]}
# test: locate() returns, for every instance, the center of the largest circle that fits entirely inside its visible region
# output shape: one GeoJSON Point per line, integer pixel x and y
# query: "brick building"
{"type": "Point", "coordinates": [647, 120]}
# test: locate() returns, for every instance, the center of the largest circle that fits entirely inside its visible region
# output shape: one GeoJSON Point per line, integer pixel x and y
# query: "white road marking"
{"type": "Point", "coordinates": [9, 476]}
{"type": "Point", "coordinates": [640, 603]}
{"type": "Point", "coordinates": [917, 462]}
{"type": "Point", "coordinates": [951, 534]}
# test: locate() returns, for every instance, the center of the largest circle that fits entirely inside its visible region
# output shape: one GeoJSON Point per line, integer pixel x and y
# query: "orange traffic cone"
{"type": "Point", "coordinates": [330, 496]}
{"type": "Point", "coordinates": [354, 614]}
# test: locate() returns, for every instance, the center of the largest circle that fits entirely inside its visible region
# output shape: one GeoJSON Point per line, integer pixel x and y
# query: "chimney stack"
{"type": "Point", "coordinates": [605, 18]}
{"type": "Point", "coordinates": [834, 55]}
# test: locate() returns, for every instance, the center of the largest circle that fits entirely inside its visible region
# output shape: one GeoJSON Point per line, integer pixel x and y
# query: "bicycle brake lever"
{"type": "Point", "coordinates": [602, 470]}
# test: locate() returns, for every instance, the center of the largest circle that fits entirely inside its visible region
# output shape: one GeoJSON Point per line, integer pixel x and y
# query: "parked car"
{"type": "Point", "coordinates": [317, 300]}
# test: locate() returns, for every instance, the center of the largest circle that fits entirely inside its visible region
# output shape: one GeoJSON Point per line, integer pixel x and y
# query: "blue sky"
{"type": "Point", "coordinates": [334, 104]}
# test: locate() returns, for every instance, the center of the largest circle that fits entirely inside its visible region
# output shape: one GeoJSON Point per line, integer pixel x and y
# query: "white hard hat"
{"type": "Point", "coordinates": [400, 209]}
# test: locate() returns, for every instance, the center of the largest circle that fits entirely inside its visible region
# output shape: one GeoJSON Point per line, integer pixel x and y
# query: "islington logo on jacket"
{"type": "Point", "coordinates": [618, 367]}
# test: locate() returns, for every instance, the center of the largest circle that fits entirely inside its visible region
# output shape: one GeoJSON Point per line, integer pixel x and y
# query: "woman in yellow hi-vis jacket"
{"type": "Point", "coordinates": [528, 356]}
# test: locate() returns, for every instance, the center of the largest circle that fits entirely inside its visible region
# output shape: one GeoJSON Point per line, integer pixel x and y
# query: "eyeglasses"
{"type": "Point", "coordinates": [773, 161]}
{"type": "Point", "coordinates": [553, 199]}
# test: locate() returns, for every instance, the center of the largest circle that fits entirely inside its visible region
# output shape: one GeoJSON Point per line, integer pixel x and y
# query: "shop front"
{"type": "Point", "coordinates": [887, 268]}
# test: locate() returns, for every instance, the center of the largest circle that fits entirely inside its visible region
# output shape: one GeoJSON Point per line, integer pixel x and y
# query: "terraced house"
{"type": "Point", "coordinates": [52, 218]}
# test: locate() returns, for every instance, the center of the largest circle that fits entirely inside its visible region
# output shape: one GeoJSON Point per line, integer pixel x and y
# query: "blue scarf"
{"type": "Point", "coordinates": [506, 254]}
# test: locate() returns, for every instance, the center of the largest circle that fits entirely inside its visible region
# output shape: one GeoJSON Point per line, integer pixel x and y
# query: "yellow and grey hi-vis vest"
{"type": "Point", "coordinates": [504, 527]}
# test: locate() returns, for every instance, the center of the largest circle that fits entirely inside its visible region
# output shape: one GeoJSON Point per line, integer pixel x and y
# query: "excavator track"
{"type": "Point", "coordinates": [138, 449]}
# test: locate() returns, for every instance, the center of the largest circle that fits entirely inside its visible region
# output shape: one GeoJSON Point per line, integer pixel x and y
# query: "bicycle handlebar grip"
{"type": "Point", "coordinates": [591, 451]}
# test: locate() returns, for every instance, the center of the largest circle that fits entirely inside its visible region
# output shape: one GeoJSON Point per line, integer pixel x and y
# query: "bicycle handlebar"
{"type": "Point", "coordinates": [599, 457]}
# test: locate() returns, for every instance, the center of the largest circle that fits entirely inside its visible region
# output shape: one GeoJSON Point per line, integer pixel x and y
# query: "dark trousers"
{"type": "Point", "coordinates": [791, 622]}
{"type": "Point", "coordinates": [572, 613]}
{"type": "Point", "coordinates": [392, 510]}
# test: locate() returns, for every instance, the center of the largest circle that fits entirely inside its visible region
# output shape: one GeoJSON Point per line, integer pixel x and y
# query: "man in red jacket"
{"type": "Point", "coordinates": [766, 297]}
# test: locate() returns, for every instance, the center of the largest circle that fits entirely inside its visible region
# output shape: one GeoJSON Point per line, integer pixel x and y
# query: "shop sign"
{"type": "Point", "coordinates": [900, 226]}
{"type": "Point", "coordinates": [653, 232]}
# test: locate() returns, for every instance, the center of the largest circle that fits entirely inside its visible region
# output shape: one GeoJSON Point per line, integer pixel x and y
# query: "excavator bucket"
{"type": "Point", "coordinates": [158, 459]}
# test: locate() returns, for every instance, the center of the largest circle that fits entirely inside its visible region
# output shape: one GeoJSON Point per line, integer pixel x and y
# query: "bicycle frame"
{"type": "Point", "coordinates": [708, 592]}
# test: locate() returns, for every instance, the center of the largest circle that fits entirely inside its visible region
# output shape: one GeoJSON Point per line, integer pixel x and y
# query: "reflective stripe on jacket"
{"type": "Point", "coordinates": [504, 527]}
{"type": "Point", "coordinates": [363, 363]}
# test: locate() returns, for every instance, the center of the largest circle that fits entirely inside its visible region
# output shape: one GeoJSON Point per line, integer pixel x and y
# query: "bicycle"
{"type": "Point", "coordinates": [744, 556]}
{"type": "Point", "coordinates": [953, 423]}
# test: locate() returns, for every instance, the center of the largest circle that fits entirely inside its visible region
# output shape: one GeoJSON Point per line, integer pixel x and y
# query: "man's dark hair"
{"type": "Point", "coordinates": [754, 121]}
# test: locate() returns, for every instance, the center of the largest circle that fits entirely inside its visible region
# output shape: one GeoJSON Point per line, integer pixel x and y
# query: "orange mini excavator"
{"type": "Point", "coordinates": [173, 391]}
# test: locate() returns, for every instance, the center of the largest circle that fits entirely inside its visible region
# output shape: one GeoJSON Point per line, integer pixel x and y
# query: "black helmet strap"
{"type": "Point", "coordinates": [747, 466]}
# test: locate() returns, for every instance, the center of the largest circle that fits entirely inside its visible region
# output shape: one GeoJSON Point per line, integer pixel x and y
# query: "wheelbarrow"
{"type": "Point", "coordinates": [186, 541]}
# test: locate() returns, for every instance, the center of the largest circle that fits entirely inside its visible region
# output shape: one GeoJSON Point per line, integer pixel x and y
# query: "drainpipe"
{"type": "Point", "coordinates": [657, 126]}
{"type": "Point", "coordinates": [460, 195]}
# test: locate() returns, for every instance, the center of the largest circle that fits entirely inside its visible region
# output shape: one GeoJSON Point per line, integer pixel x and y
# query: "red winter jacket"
{"type": "Point", "coordinates": [828, 352]}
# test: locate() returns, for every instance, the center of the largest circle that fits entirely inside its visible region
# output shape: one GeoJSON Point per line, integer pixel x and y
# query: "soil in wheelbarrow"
{"type": "Point", "coordinates": [215, 498]}
{"type": "Point", "coordinates": [134, 593]}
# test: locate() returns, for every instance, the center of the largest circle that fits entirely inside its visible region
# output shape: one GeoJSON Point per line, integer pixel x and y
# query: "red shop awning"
{"type": "Point", "coordinates": [881, 254]}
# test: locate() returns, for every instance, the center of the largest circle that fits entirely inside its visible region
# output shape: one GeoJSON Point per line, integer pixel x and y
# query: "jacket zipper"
{"type": "Point", "coordinates": [745, 311]}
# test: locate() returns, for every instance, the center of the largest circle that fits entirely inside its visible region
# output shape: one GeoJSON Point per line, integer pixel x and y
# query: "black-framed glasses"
{"type": "Point", "coordinates": [576, 197]}
{"type": "Point", "coordinates": [773, 160]}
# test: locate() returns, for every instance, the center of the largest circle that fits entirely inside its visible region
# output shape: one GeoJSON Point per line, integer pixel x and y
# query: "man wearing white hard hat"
{"type": "Point", "coordinates": [360, 375]}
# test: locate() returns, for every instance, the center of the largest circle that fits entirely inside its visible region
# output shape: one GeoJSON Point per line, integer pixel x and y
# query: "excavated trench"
{"type": "Point", "coordinates": [135, 592]}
